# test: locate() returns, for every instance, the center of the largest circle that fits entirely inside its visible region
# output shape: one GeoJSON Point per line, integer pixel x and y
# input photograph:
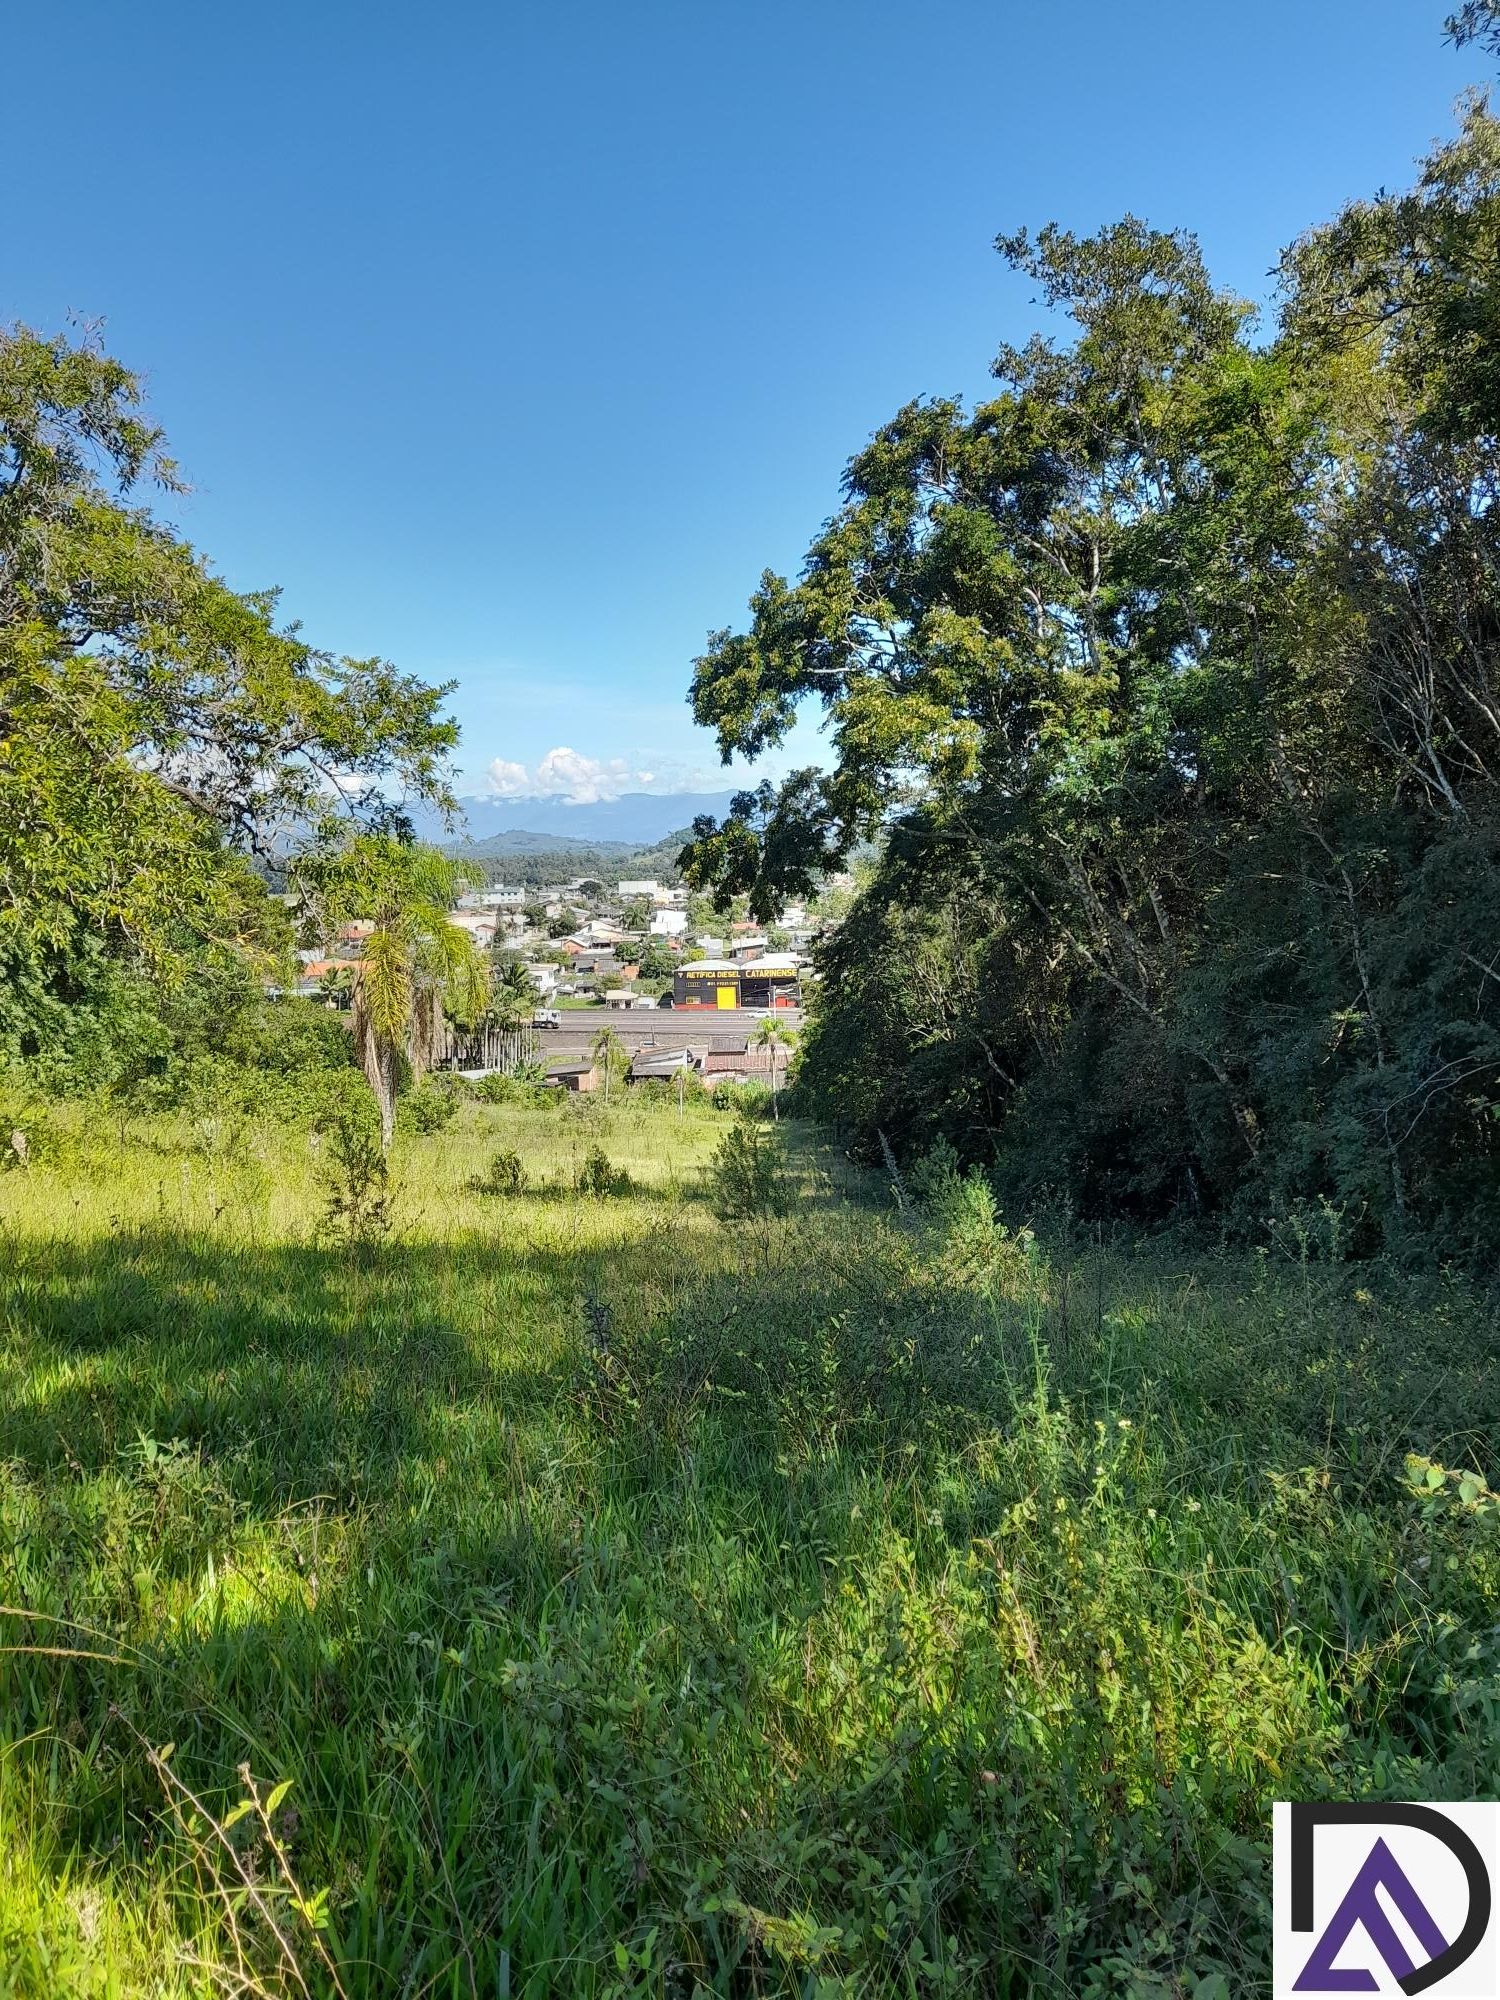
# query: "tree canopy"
{"type": "Point", "coordinates": [156, 726]}
{"type": "Point", "coordinates": [1168, 676]}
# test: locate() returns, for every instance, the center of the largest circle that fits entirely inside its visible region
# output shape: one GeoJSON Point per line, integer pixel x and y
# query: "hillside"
{"type": "Point", "coordinates": [803, 1605]}
{"type": "Point", "coordinates": [521, 855]}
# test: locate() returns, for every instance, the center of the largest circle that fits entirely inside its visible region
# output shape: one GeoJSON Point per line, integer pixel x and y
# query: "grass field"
{"type": "Point", "coordinates": [576, 1595]}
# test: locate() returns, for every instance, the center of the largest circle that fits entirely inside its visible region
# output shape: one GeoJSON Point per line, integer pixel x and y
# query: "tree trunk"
{"type": "Point", "coordinates": [387, 1070]}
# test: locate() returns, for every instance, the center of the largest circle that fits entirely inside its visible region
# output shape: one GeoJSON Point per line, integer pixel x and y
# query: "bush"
{"type": "Point", "coordinates": [498, 1089]}
{"type": "Point", "coordinates": [747, 1176]}
{"type": "Point", "coordinates": [597, 1177]}
{"type": "Point", "coordinates": [752, 1098]}
{"type": "Point", "coordinates": [505, 1174]}
{"type": "Point", "coordinates": [356, 1177]}
{"type": "Point", "coordinates": [286, 1037]}
{"type": "Point", "coordinates": [428, 1108]}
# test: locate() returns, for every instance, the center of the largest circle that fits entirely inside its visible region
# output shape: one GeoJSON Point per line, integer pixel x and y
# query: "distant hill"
{"type": "Point", "coordinates": [520, 856]}
{"type": "Point", "coordinates": [635, 819]}
{"type": "Point", "coordinates": [520, 840]}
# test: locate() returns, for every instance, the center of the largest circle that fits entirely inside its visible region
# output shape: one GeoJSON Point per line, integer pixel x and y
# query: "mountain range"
{"type": "Point", "coordinates": [635, 819]}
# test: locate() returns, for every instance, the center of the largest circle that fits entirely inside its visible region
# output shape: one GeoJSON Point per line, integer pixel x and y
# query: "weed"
{"type": "Point", "coordinates": [505, 1175]}
{"type": "Point", "coordinates": [356, 1178]}
{"type": "Point", "coordinates": [746, 1177]}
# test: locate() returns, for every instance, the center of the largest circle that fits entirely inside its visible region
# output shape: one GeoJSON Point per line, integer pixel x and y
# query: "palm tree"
{"type": "Point", "coordinates": [773, 1036]}
{"type": "Point", "coordinates": [607, 1050]}
{"type": "Point", "coordinates": [414, 962]}
{"type": "Point", "coordinates": [513, 995]}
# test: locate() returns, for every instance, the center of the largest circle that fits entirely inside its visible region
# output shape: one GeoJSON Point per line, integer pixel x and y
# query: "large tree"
{"type": "Point", "coordinates": [156, 726]}
{"type": "Point", "coordinates": [1167, 678]}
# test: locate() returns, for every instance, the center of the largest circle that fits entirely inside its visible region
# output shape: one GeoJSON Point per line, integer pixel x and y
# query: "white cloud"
{"type": "Point", "coordinates": [508, 781]}
{"type": "Point", "coordinates": [585, 781]}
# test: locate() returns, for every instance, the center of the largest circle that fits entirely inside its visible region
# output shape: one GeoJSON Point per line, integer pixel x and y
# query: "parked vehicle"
{"type": "Point", "coordinates": [546, 1017]}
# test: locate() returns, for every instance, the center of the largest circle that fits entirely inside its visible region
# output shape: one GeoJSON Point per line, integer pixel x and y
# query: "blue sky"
{"type": "Point", "coordinates": [515, 342]}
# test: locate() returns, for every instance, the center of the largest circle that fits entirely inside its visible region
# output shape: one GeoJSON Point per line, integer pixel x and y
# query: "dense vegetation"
{"type": "Point", "coordinates": [546, 859]}
{"type": "Point", "coordinates": [470, 1540]}
{"type": "Point", "coordinates": [539, 1592]}
{"type": "Point", "coordinates": [1173, 673]}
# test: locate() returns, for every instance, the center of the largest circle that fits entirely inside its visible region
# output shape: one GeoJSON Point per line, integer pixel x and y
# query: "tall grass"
{"type": "Point", "coordinates": [634, 1603]}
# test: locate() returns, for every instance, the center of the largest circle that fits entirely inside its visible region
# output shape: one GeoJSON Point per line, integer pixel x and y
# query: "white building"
{"type": "Point", "coordinates": [501, 898]}
{"type": "Point", "coordinates": [669, 923]}
{"type": "Point", "coordinates": [709, 945]}
{"type": "Point", "coordinates": [478, 923]}
{"type": "Point", "coordinates": [630, 891]}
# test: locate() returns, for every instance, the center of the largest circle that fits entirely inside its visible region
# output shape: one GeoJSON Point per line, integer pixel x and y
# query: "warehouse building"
{"type": "Point", "coordinates": [771, 981]}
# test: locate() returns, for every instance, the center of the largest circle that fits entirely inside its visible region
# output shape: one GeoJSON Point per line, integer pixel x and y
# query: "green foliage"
{"type": "Point", "coordinates": [655, 961]}
{"type": "Point", "coordinates": [154, 720]}
{"type": "Point", "coordinates": [415, 962]}
{"type": "Point", "coordinates": [428, 1108]}
{"type": "Point", "coordinates": [598, 1177]}
{"type": "Point", "coordinates": [746, 1178]}
{"type": "Point", "coordinates": [859, 1625]}
{"type": "Point", "coordinates": [505, 1175]}
{"type": "Point", "coordinates": [1159, 672]}
{"type": "Point", "coordinates": [356, 1178]}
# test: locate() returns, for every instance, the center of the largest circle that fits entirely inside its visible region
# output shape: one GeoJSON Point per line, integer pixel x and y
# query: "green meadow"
{"type": "Point", "coordinates": [583, 1594]}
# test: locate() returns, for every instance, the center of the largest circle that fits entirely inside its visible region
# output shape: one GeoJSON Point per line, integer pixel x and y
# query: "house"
{"type": "Point", "coordinates": [576, 1073]}
{"type": "Point", "coordinates": [772, 980]}
{"type": "Point", "coordinates": [501, 898]}
{"type": "Point", "coordinates": [542, 976]}
{"type": "Point", "coordinates": [734, 1055]}
{"type": "Point", "coordinates": [479, 924]}
{"type": "Point", "coordinates": [649, 1065]}
{"type": "Point", "coordinates": [626, 1000]}
{"type": "Point", "coordinates": [313, 971]}
{"type": "Point", "coordinates": [710, 946]}
{"type": "Point", "coordinates": [749, 946]}
{"type": "Point", "coordinates": [707, 982]}
{"type": "Point", "coordinates": [669, 923]}
{"type": "Point", "coordinates": [630, 892]}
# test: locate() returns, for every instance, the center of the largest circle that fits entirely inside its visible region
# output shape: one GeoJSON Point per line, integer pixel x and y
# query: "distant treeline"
{"type": "Point", "coordinates": [506, 858]}
{"type": "Point", "coordinates": [1174, 673]}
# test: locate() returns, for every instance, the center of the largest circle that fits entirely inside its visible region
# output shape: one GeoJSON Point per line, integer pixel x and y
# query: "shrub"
{"type": "Point", "coordinates": [498, 1089]}
{"type": "Point", "coordinates": [585, 1109]}
{"type": "Point", "coordinates": [977, 1245]}
{"type": "Point", "coordinates": [747, 1176]}
{"type": "Point", "coordinates": [505, 1174]}
{"type": "Point", "coordinates": [428, 1108]}
{"type": "Point", "coordinates": [935, 1179]}
{"type": "Point", "coordinates": [752, 1098]}
{"type": "Point", "coordinates": [287, 1036]}
{"type": "Point", "coordinates": [356, 1176]}
{"type": "Point", "coordinates": [597, 1177]}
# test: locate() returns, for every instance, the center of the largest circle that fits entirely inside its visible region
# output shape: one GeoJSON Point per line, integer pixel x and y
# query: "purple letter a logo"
{"type": "Point", "coordinates": [1361, 1908]}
